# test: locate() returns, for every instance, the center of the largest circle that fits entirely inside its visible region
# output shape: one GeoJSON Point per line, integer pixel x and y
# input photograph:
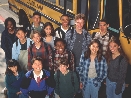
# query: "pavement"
{"type": "Point", "coordinates": [4, 13]}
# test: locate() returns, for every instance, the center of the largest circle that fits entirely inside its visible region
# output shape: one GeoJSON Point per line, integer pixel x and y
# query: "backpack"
{"type": "Point", "coordinates": [94, 33]}
{"type": "Point", "coordinates": [72, 78]}
{"type": "Point", "coordinates": [72, 32]}
{"type": "Point", "coordinates": [69, 57]}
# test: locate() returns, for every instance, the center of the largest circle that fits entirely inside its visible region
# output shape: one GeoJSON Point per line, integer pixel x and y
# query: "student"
{"type": "Point", "coordinates": [67, 83]}
{"type": "Point", "coordinates": [92, 70]}
{"type": "Point", "coordinates": [37, 25]}
{"type": "Point", "coordinates": [13, 79]}
{"type": "Point", "coordinates": [64, 28]}
{"type": "Point", "coordinates": [78, 39]}
{"type": "Point", "coordinates": [48, 34]}
{"type": "Point", "coordinates": [38, 82]}
{"type": "Point", "coordinates": [39, 48]}
{"type": "Point", "coordinates": [20, 48]}
{"type": "Point", "coordinates": [8, 37]}
{"type": "Point", "coordinates": [103, 35]}
{"type": "Point", "coordinates": [117, 68]}
{"type": "Point", "coordinates": [60, 52]}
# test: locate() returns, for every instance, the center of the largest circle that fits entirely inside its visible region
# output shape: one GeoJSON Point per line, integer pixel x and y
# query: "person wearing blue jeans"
{"type": "Point", "coordinates": [92, 70]}
{"type": "Point", "coordinates": [117, 68]}
{"type": "Point", "coordinates": [91, 89]}
{"type": "Point", "coordinates": [110, 89]}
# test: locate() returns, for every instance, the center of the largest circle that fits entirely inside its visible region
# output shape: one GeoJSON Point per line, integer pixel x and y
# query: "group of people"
{"type": "Point", "coordinates": [46, 63]}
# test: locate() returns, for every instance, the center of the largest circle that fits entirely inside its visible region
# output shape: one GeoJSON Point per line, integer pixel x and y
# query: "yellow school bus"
{"type": "Point", "coordinates": [116, 12]}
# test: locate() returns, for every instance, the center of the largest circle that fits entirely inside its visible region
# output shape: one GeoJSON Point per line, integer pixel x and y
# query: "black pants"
{"type": "Point", "coordinates": [38, 94]}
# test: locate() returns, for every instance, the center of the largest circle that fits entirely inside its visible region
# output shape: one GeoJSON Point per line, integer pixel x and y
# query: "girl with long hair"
{"type": "Point", "coordinates": [117, 68]}
{"type": "Point", "coordinates": [92, 70]}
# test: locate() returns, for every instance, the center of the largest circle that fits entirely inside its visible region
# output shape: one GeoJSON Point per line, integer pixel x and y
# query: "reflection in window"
{"type": "Point", "coordinates": [69, 4]}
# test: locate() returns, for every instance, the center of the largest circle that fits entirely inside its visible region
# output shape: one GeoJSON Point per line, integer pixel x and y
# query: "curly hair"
{"type": "Point", "coordinates": [11, 20]}
{"type": "Point", "coordinates": [52, 29]}
{"type": "Point", "coordinates": [99, 52]}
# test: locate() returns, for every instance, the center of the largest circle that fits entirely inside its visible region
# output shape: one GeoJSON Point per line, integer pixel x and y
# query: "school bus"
{"type": "Point", "coordinates": [117, 12]}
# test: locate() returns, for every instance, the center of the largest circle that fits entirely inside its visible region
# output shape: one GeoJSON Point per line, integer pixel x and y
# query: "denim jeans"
{"type": "Point", "coordinates": [91, 90]}
{"type": "Point", "coordinates": [110, 89]}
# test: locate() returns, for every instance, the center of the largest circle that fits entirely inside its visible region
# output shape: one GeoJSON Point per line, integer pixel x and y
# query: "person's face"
{"type": "Point", "coordinates": [63, 68]}
{"type": "Point", "coordinates": [65, 21]}
{"type": "Point", "coordinates": [36, 19]}
{"type": "Point", "coordinates": [103, 26]}
{"type": "Point", "coordinates": [47, 30]}
{"type": "Point", "coordinates": [79, 24]}
{"type": "Point", "coordinates": [60, 47]}
{"type": "Point", "coordinates": [114, 48]}
{"type": "Point", "coordinates": [10, 26]}
{"type": "Point", "coordinates": [36, 38]}
{"type": "Point", "coordinates": [13, 69]}
{"type": "Point", "coordinates": [21, 35]}
{"type": "Point", "coordinates": [94, 48]}
{"type": "Point", "coordinates": [37, 66]}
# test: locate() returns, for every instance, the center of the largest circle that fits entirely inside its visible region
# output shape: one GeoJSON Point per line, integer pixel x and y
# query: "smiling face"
{"type": "Point", "coordinates": [37, 66]}
{"type": "Point", "coordinates": [10, 26]}
{"type": "Point", "coordinates": [65, 21]}
{"type": "Point", "coordinates": [36, 38]}
{"type": "Point", "coordinates": [47, 30]}
{"type": "Point", "coordinates": [79, 24]}
{"type": "Point", "coordinates": [21, 35]}
{"type": "Point", "coordinates": [63, 68]}
{"type": "Point", "coordinates": [60, 46]}
{"type": "Point", "coordinates": [94, 48]}
{"type": "Point", "coordinates": [13, 69]}
{"type": "Point", "coordinates": [114, 48]}
{"type": "Point", "coordinates": [103, 26]}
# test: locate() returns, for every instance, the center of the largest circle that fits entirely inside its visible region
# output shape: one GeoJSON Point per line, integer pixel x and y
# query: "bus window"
{"type": "Point", "coordinates": [112, 15]}
{"type": "Point", "coordinates": [93, 18]}
{"type": "Point", "coordinates": [69, 4]}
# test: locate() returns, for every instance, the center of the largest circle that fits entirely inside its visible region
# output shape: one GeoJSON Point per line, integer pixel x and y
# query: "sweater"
{"type": "Point", "coordinates": [13, 84]}
{"type": "Point", "coordinates": [117, 72]}
{"type": "Point", "coordinates": [7, 43]}
{"type": "Point", "coordinates": [64, 88]}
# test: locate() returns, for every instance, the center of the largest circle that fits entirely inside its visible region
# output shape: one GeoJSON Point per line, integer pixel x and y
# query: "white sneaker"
{"type": "Point", "coordinates": [3, 90]}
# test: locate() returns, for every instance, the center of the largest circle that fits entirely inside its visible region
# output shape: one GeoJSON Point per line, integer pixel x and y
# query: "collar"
{"type": "Point", "coordinates": [35, 76]}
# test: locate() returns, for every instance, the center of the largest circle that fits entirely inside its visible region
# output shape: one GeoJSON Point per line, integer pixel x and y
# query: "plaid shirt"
{"type": "Point", "coordinates": [42, 52]}
{"type": "Point", "coordinates": [70, 42]}
{"type": "Point", "coordinates": [101, 70]}
{"type": "Point", "coordinates": [104, 40]}
{"type": "Point", "coordinates": [64, 54]}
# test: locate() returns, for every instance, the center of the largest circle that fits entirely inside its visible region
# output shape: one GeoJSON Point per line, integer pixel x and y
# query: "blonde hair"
{"type": "Point", "coordinates": [80, 16]}
{"type": "Point", "coordinates": [35, 32]}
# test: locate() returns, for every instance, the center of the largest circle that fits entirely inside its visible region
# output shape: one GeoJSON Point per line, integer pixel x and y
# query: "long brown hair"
{"type": "Point", "coordinates": [108, 55]}
{"type": "Point", "coordinates": [99, 52]}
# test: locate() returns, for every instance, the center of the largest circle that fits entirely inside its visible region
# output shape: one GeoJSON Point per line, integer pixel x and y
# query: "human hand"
{"type": "Point", "coordinates": [18, 93]}
{"type": "Point", "coordinates": [81, 85]}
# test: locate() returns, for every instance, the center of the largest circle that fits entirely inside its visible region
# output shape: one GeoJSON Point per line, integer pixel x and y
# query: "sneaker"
{"type": "Point", "coordinates": [3, 91]}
